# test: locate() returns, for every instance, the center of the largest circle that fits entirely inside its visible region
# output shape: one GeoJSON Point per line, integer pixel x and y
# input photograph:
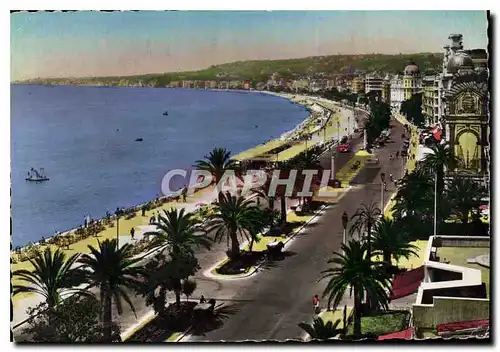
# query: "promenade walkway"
{"type": "Point", "coordinates": [269, 305]}
{"type": "Point", "coordinates": [272, 302]}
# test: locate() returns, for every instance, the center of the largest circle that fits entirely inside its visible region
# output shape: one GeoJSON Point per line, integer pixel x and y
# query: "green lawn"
{"type": "Point", "coordinates": [334, 315]}
{"type": "Point", "coordinates": [382, 324]}
{"type": "Point", "coordinates": [173, 337]}
{"type": "Point", "coordinates": [293, 151]}
{"type": "Point", "coordinates": [108, 233]}
{"type": "Point", "coordinates": [346, 174]}
{"type": "Point", "coordinates": [265, 240]}
{"type": "Point", "coordinates": [261, 246]}
{"type": "Point", "coordinates": [415, 260]}
{"type": "Point", "coordinates": [259, 150]}
{"type": "Point", "coordinates": [293, 217]}
{"type": "Point", "coordinates": [459, 256]}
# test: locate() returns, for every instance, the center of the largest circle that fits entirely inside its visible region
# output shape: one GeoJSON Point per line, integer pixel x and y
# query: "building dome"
{"type": "Point", "coordinates": [459, 61]}
{"type": "Point", "coordinates": [411, 69]}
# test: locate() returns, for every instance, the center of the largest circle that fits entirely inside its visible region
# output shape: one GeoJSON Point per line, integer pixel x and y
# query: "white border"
{"type": "Point", "coordinates": [179, 5]}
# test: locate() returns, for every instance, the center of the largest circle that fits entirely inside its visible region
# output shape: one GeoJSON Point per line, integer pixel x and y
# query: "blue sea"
{"type": "Point", "coordinates": [84, 138]}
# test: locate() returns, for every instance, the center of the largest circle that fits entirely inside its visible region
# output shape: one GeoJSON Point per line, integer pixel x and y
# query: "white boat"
{"type": "Point", "coordinates": [36, 175]}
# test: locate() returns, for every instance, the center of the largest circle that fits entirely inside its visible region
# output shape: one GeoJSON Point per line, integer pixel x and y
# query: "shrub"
{"type": "Point", "coordinates": [188, 288]}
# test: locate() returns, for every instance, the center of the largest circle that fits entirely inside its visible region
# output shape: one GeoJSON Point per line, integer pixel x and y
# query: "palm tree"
{"type": "Point", "coordinates": [164, 275]}
{"type": "Point", "coordinates": [320, 331]}
{"type": "Point", "coordinates": [112, 270]}
{"type": "Point", "coordinates": [353, 268]}
{"type": "Point", "coordinates": [233, 217]}
{"type": "Point", "coordinates": [308, 160]}
{"type": "Point", "coordinates": [52, 276]}
{"type": "Point", "coordinates": [217, 163]}
{"type": "Point", "coordinates": [464, 194]}
{"type": "Point", "coordinates": [259, 220]}
{"type": "Point", "coordinates": [441, 157]}
{"type": "Point", "coordinates": [390, 238]}
{"type": "Point", "coordinates": [178, 230]}
{"type": "Point", "coordinates": [415, 193]}
{"type": "Point", "coordinates": [364, 219]}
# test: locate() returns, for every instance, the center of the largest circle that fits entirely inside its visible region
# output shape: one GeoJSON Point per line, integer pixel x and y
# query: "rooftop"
{"type": "Point", "coordinates": [460, 255]}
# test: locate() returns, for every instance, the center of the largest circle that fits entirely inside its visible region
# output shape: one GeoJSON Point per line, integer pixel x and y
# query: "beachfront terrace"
{"type": "Point", "coordinates": [466, 257]}
{"type": "Point", "coordinates": [455, 287]}
{"type": "Point", "coordinates": [260, 150]}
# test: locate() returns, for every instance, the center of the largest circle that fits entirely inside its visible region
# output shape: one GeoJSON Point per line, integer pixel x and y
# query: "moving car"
{"type": "Point", "coordinates": [344, 148]}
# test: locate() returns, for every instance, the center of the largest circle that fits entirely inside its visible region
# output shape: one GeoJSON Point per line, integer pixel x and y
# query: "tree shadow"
{"type": "Point", "coordinates": [274, 262]}
{"type": "Point", "coordinates": [282, 256]}
{"type": "Point", "coordinates": [215, 321]}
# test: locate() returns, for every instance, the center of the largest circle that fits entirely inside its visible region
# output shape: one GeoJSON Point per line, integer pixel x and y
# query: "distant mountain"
{"type": "Point", "coordinates": [262, 70]}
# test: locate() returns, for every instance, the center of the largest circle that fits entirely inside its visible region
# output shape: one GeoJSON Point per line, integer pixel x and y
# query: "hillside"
{"type": "Point", "coordinates": [260, 71]}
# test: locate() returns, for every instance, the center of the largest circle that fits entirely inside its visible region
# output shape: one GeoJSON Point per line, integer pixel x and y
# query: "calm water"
{"type": "Point", "coordinates": [84, 138]}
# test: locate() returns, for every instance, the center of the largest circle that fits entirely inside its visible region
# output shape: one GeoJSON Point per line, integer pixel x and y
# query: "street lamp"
{"type": "Point", "coordinates": [382, 178]}
{"type": "Point", "coordinates": [435, 202]}
{"type": "Point", "coordinates": [332, 162]}
{"type": "Point", "coordinates": [345, 221]}
{"type": "Point", "coordinates": [338, 132]}
{"type": "Point", "coordinates": [118, 213]}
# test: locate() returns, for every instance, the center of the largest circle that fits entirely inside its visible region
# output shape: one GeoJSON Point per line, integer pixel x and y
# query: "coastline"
{"type": "Point", "coordinates": [162, 199]}
{"type": "Point", "coordinates": [303, 100]}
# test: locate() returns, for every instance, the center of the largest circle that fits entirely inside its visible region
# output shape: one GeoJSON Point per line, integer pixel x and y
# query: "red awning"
{"type": "Point", "coordinates": [405, 334]}
{"type": "Point", "coordinates": [406, 283]}
{"type": "Point", "coordinates": [437, 132]}
{"type": "Point", "coordinates": [450, 327]}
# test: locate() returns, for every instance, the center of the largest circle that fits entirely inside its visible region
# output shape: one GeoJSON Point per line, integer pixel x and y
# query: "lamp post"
{"type": "Point", "coordinates": [435, 203]}
{"type": "Point", "coordinates": [365, 139]}
{"type": "Point", "coordinates": [332, 161]}
{"type": "Point", "coordinates": [117, 213]}
{"type": "Point", "coordinates": [338, 132]}
{"type": "Point", "coordinates": [382, 178]}
{"type": "Point", "coordinates": [345, 221]}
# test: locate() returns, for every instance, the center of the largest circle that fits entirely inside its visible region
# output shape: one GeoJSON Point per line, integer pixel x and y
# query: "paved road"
{"type": "Point", "coordinates": [269, 305]}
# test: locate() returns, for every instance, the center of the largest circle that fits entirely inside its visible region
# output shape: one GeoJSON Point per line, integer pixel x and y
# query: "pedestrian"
{"type": "Point", "coordinates": [184, 194]}
{"type": "Point", "coordinates": [132, 232]}
{"type": "Point", "coordinates": [202, 299]}
{"type": "Point", "coordinates": [316, 305]}
{"type": "Point", "coordinates": [144, 210]}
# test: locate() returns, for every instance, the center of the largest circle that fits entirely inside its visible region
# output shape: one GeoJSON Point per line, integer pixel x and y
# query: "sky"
{"type": "Point", "coordinates": [87, 43]}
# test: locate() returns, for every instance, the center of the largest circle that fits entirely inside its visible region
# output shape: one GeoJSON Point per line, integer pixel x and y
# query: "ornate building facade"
{"type": "Point", "coordinates": [397, 92]}
{"type": "Point", "coordinates": [412, 81]}
{"type": "Point", "coordinates": [464, 107]}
